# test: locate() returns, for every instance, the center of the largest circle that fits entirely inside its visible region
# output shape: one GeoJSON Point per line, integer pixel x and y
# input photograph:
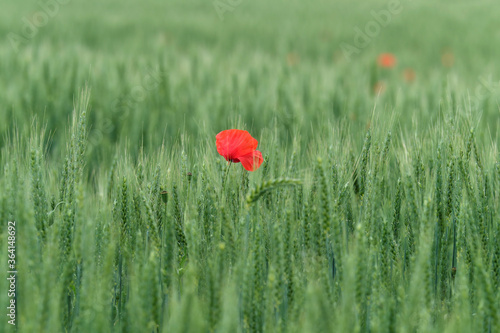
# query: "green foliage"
{"type": "Point", "coordinates": [372, 212]}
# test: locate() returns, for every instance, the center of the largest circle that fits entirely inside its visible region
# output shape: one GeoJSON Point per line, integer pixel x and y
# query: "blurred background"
{"type": "Point", "coordinates": [158, 70]}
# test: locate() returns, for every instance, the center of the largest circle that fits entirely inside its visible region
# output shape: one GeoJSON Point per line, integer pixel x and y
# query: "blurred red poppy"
{"type": "Point", "coordinates": [447, 59]}
{"type": "Point", "coordinates": [292, 59]}
{"type": "Point", "coordinates": [386, 60]}
{"type": "Point", "coordinates": [379, 87]}
{"type": "Point", "coordinates": [409, 75]}
{"type": "Point", "coordinates": [238, 146]}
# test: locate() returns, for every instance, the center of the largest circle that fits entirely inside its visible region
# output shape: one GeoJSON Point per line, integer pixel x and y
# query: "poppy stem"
{"type": "Point", "coordinates": [226, 175]}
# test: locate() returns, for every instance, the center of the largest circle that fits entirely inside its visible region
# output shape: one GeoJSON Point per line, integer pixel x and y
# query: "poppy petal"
{"type": "Point", "coordinates": [234, 143]}
{"type": "Point", "coordinates": [252, 161]}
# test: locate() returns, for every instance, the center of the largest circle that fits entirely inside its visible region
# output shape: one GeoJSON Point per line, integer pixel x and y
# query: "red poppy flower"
{"type": "Point", "coordinates": [239, 146]}
{"type": "Point", "coordinates": [386, 60]}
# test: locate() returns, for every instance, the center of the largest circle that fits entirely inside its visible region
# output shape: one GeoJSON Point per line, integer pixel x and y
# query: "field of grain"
{"type": "Point", "coordinates": [376, 209]}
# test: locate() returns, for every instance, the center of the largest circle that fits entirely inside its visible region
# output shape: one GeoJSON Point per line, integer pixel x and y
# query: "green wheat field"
{"type": "Point", "coordinates": [376, 209]}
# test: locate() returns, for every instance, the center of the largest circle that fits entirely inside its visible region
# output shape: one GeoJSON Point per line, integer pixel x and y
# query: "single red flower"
{"type": "Point", "coordinates": [386, 60]}
{"type": "Point", "coordinates": [239, 146]}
